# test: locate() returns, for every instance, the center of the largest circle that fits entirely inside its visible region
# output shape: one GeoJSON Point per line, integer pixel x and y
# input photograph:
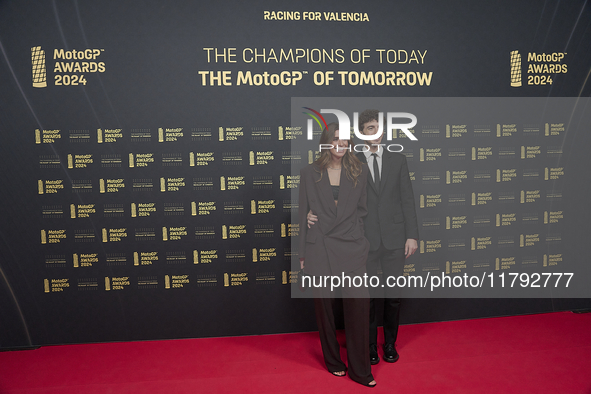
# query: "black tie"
{"type": "Point", "coordinates": [376, 171]}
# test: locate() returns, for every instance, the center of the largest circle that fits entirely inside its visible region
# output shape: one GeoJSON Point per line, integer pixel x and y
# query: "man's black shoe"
{"type": "Point", "coordinates": [390, 353]}
{"type": "Point", "coordinates": [373, 354]}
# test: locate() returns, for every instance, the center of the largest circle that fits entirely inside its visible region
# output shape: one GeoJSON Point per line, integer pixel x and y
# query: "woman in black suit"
{"type": "Point", "coordinates": [334, 188]}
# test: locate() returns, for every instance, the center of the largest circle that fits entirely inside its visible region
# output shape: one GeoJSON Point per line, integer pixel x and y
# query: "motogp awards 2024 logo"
{"type": "Point", "coordinates": [542, 68]}
{"type": "Point", "coordinates": [70, 68]}
{"type": "Point", "coordinates": [345, 128]}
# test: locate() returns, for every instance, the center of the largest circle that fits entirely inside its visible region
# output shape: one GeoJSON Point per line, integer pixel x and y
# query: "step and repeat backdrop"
{"type": "Point", "coordinates": [151, 155]}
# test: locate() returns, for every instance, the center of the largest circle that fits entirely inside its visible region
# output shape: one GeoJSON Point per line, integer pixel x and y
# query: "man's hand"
{"type": "Point", "coordinates": [410, 248]}
{"type": "Point", "coordinates": [311, 219]}
{"type": "Point", "coordinates": [301, 263]}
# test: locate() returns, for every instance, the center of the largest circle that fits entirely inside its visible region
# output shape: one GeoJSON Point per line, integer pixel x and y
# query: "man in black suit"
{"type": "Point", "coordinates": [390, 226]}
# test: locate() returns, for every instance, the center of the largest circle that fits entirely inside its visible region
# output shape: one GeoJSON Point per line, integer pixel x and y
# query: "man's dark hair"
{"type": "Point", "coordinates": [367, 116]}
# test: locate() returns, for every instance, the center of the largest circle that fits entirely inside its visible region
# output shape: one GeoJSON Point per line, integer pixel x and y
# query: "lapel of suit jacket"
{"type": "Point", "coordinates": [386, 169]}
{"type": "Point", "coordinates": [345, 191]}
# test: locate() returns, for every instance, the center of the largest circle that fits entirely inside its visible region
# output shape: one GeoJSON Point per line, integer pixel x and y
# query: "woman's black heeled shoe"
{"type": "Point", "coordinates": [368, 384]}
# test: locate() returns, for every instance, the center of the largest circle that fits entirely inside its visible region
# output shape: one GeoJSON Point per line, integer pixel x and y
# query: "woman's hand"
{"type": "Point", "coordinates": [311, 218]}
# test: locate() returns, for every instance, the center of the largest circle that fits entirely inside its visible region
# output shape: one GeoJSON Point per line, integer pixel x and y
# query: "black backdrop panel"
{"type": "Point", "coordinates": [145, 148]}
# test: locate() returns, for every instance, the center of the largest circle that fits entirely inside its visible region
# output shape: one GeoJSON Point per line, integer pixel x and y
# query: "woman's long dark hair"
{"type": "Point", "coordinates": [350, 162]}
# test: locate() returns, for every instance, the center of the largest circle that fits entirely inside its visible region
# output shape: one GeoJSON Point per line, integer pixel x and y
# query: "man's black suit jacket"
{"type": "Point", "coordinates": [391, 216]}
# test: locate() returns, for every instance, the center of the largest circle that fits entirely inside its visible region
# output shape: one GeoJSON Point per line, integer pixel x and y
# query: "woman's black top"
{"type": "Point", "coordinates": [335, 192]}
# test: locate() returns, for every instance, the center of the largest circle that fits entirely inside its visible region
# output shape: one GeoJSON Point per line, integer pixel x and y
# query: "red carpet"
{"type": "Point", "coordinates": [546, 353]}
